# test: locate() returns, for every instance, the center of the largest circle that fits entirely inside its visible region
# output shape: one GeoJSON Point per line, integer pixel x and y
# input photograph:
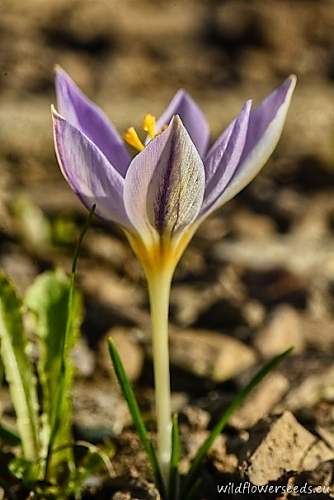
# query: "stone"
{"type": "Point", "coordinates": [317, 454]}
{"type": "Point", "coordinates": [197, 418]}
{"type": "Point", "coordinates": [120, 495]}
{"type": "Point", "coordinates": [83, 358]}
{"type": "Point", "coordinates": [222, 460]}
{"type": "Point", "coordinates": [209, 354]}
{"type": "Point", "coordinates": [105, 286]}
{"type": "Point", "coordinates": [213, 302]}
{"type": "Point", "coordinates": [311, 390]}
{"type": "Point", "coordinates": [99, 408]}
{"type": "Point", "coordinates": [260, 403]}
{"type": "Point", "coordinates": [283, 330]}
{"type": "Point", "coordinates": [254, 313]}
{"type": "Point", "coordinates": [287, 447]}
{"type": "Point", "coordinates": [106, 247]}
{"type": "Point", "coordinates": [319, 333]}
{"type": "Point", "coordinates": [249, 225]}
{"type": "Point", "coordinates": [19, 267]}
{"type": "Point", "coordinates": [131, 353]}
{"type": "Point", "coordinates": [327, 435]}
{"type": "Point", "coordinates": [302, 258]}
{"type": "Point", "coordinates": [188, 303]}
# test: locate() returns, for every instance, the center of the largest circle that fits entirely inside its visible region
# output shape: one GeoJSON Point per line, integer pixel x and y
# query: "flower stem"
{"type": "Point", "coordinates": [159, 291]}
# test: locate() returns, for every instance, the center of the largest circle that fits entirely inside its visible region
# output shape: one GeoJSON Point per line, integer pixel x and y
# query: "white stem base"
{"type": "Point", "coordinates": [159, 291]}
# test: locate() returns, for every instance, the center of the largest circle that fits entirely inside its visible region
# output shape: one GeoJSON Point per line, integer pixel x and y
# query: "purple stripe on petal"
{"type": "Point", "coordinates": [88, 172]}
{"type": "Point", "coordinates": [83, 114]}
{"type": "Point", "coordinates": [264, 130]}
{"type": "Point", "coordinates": [192, 118]}
{"type": "Point", "coordinates": [224, 156]}
{"type": "Point", "coordinates": [164, 186]}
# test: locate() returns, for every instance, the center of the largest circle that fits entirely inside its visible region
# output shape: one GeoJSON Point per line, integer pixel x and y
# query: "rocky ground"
{"type": "Point", "coordinates": [257, 278]}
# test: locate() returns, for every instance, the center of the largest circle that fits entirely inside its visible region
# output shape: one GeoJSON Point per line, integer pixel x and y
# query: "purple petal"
{"type": "Point", "coordinates": [264, 130]}
{"type": "Point", "coordinates": [192, 118]}
{"type": "Point", "coordinates": [83, 114]}
{"type": "Point", "coordinates": [224, 156]}
{"type": "Point", "coordinates": [88, 172]}
{"type": "Point", "coordinates": [164, 185]}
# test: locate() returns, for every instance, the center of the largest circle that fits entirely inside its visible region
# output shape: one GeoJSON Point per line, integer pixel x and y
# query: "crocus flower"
{"type": "Point", "coordinates": [160, 195]}
{"type": "Point", "coordinates": [177, 179]}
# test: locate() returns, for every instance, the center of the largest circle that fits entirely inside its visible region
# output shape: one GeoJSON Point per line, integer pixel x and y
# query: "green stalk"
{"type": "Point", "coordinates": [137, 418]}
{"type": "Point", "coordinates": [159, 292]}
{"type": "Point", "coordinates": [61, 395]}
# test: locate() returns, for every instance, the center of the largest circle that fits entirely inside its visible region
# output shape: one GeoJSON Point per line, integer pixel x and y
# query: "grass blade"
{"type": "Point", "coordinates": [193, 491]}
{"type": "Point", "coordinates": [174, 477]}
{"type": "Point", "coordinates": [18, 369]}
{"type": "Point", "coordinates": [138, 422]}
{"type": "Point", "coordinates": [65, 342]}
{"type": "Point", "coordinates": [232, 407]}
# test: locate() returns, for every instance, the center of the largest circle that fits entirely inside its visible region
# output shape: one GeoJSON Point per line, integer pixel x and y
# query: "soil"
{"type": "Point", "coordinates": [257, 278]}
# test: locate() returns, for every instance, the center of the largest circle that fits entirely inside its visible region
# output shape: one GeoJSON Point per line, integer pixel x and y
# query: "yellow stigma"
{"type": "Point", "coordinates": [131, 137]}
{"type": "Point", "coordinates": [149, 125]}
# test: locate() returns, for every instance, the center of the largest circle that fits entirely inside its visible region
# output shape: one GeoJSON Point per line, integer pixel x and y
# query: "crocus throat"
{"type": "Point", "coordinates": [149, 126]}
{"type": "Point", "coordinates": [162, 254]}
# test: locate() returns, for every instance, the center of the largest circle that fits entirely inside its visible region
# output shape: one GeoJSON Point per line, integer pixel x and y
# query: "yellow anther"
{"type": "Point", "coordinates": [149, 125]}
{"type": "Point", "coordinates": [131, 137]}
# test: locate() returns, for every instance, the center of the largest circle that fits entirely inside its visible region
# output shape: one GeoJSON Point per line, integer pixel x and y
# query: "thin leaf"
{"type": "Point", "coordinates": [48, 299]}
{"type": "Point", "coordinates": [174, 477]}
{"type": "Point", "coordinates": [94, 450]}
{"type": "Point", "coordinates": [2, 375]}
{"type": "Point", "coordinates": [9, 436]}
{"type": "Point", "coordinates": [60, 396]}
{"type": "Point", "coordinates": [232, 407]}
{"type": "Point", "coordinates": [18, 370]}
{"type": "Point", "coordinates": [138, 422]}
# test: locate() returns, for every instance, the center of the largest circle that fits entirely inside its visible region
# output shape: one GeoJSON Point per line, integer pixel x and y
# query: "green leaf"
{"type": "Point", "coordinates": [19, 467]}
{"type": "Point", "coordinates": [60, 394]}
{"type": "Point", "coordinates": [92, 463]}
{"type": "Point", "coordinates": [9, 436]}
{"type": "Point", "coordinates": [138, 422]}
{"type": "Point", "coordinates": [24, 470]}
{"type": "Point", "coordinates": [18, 370]}
{"type": "Point", "coordinates": [48, 299]}
{"type": "Point", "coordinates": [232, 407]}
{"type": "Point", "coordinates": [174, 477]}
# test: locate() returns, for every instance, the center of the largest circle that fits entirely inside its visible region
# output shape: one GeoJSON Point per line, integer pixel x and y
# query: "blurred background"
{"type": "Point", "coordinates": [259, 275]}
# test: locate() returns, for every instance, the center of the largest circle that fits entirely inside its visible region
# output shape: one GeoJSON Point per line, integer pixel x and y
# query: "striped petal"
{"type": "Point", "coordinates": [88, 172]}
{"type": "Point", "coordinates": [264, 130]}
{"type": "Point", "coordinates": [164, 185]}
{"type": "Point", "coordinates": [192, 118]}
{"type": "Point", "coordinates": [83, 114]}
